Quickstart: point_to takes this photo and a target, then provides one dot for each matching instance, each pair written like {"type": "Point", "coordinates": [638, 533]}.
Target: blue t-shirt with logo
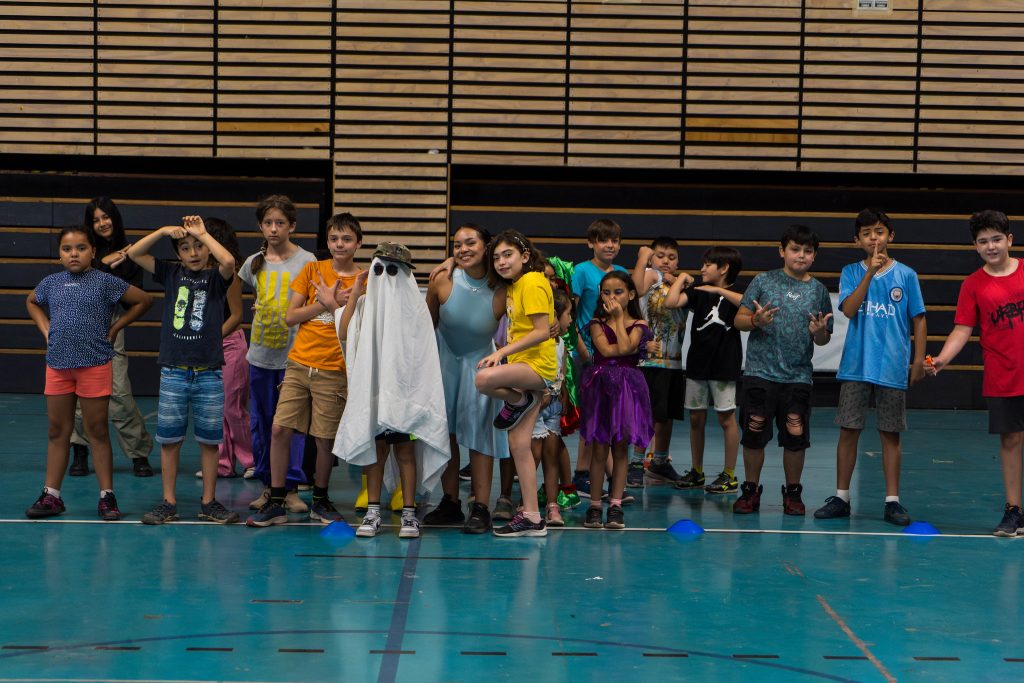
{"type": "Point", "coordinates": [190, 334]}
{"type": "Point", "coordinates": [877, 346]}
{"type": "Point", "coordinates": [586, 284]}
{"type": "Point", "coordinates": [80, 305]}
{"type": "Point", "coordinates": [781, 351]}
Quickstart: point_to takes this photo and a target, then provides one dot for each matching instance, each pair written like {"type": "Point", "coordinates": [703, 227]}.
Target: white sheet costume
{"type": "Point", "coordinates": [394, 377]}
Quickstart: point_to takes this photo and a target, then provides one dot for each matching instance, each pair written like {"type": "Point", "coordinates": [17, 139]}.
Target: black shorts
{"type": "Point", "coordinates": [1005, 414]}
{"type": "Point", "coordinates": [391, 438]}
{"type": "Point", "coordinates": [668, 393]}
{"type": "Point", "coordinates": [768, 399]}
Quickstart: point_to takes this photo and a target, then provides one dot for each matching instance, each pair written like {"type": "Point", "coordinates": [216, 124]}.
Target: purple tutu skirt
{"type": "Point", "coordinates": [616, 405]}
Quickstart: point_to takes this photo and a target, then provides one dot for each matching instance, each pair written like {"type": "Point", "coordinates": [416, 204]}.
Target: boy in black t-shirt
{"type": "Point", "coordinates": [712, 363]}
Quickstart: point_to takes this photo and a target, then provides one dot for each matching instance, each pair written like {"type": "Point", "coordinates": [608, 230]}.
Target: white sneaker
{"type": "Point", "coordinates": [410, 527]}
{"type": "Point", "coordinates": [370, 525]}
{"type": "Point", "coordinates": [292, 503]}
{"type": "Point", "coordinates": [249, 473]}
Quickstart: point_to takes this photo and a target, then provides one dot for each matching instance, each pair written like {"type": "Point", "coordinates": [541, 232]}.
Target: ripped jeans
{"type": "Point", "coordinates": [787, 405]}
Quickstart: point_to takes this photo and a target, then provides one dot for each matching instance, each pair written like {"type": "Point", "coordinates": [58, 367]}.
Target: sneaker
{"type": "Point", "coordinates": [503, 509]}
{"type": "Point", "coordinates": [833, 508]}
{"type": "Point", "coordinates": [164, 512]}
{"type": "Point", "coordinates": [370, 525]}
{"type": "Point", "coordinates": [593, 518]}
{"type": "Point", "coordinates": [510, 415]}
{"type": "Point", "coordinates": [723, 483]}
{"type": "Point", "coordinates": [269, 514]}
{"type": "Point", "coordinates": [635, 475]}
{"type": "Point", "coordinates": [627, 497]}
{"type": "Point", "coordinates": [79, 460]}
{"type": "Point", "coordinates": [896, 514]}
{"type": "Point", "coordinates": [466, 473]}
{"type": "Point", "coordinates": [46, 505]}
{"type": "Point", "coordinates": [662, 472]}
{"type": "Point", "coordinates": [249, 473]}
{"type": "Point", "coordinates": [322, 510]}
{"type": "Point", "coordinates": [791, 502]}
{"type": "Point", "coordinates": [521, 526]}
{"type": "Point", "coordinates": [567, 501]}
{"type": "Point", "coordinates": [410, 527]}
{"type": "Point", "coordinates": [616, 519]}
{"type": "Point", "coordinates": [141, 467]}
{"type": "Point", "coordinates": [553, 516]}
{"type": "Point", "coordinates": [107, 508]}
{"type": "Point", "coordinates": [448, 511]}
{"type": "Point", "coordinates": [581, 480]}
{"type": "Point", "coordinates": [262, 500]}
{"type": "Point", "coordinates": [691, 480]}
{"type": "Point", "coordinates": [1012, 524]}
{"type": "Point", "coordinates": [293, 503]}
{"type": "Point", "coordinates": [749, 500]}
{"type": "Point", "coordinates": [479, 520]}
{"type": "Point", "coordinates": [215, 512]}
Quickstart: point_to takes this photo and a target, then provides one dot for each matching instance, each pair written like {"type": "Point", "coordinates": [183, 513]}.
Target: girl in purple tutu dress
{"type": "Point", "coordinates": [616, 402]}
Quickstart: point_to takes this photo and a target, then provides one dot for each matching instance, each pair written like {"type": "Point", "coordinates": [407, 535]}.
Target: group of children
{"type": "Point", "coordinates": [527, 350]}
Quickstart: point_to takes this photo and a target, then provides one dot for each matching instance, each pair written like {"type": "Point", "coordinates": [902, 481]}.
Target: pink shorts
{"type": "Point", "coordinates": [94, 382]}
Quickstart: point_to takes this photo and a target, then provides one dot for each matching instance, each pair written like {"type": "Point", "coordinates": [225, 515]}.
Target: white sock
{"type": "Point", "coordinates": [374, 509]}
{"type": "Point", "coordinates": [844, 494]}
{"type": "Point", "coordinates": [104, 492]}
{"type": "Point", "coordinates": [522, 400]}
{"type": "Point", "coordinates": [892, 499]}
{"type": "Point", "coordinates": [408, 512]}
{"type": "Point", "coordinates": [52, 492]}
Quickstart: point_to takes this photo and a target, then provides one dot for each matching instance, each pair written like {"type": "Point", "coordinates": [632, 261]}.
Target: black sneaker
{"type": "Point", "coordinates": [215, 512]}
{"type": "Point", "coordinates": [521, 526]}
{"type": "Point", "coordinates": [107, 508]}
{"type": "Point", "coordinates": [79, 460]}
{"type": "Point", "coordinates": [616, 519]}
{"type": "Point", "coordinates": [896, 514]}
{"type": "Point", "coordinates": [635, 475]}
{"type": "Point", "coordinates": [593, 520]}
{"type": "Point", "coordinates": [161, 514]}
{"type": "Point", "coordinates": [723, 484]}
{"type": "Point", "coordinates": [749, 500]}
{"type": "Point", "coordinates": [141, 467]}
{"type": "Point", "coordinates": [835, 507]}
{"type": "Point", "coordinates": [466, 473]}
{"type": "Point", "coordinates": [691, 480]}
{"type": "Point", "coordinates": [663, 472]}
{"type": "Point", "coordinates": [1012, 524]}
{"type": "Point", "coordinates": [448, 511]}
{"type": "Point", "coordinates": [46, 505]}
{"type": "Point", "coordinates": [510, 415]}
{"type": "Point", "coordinates": [479, 521]}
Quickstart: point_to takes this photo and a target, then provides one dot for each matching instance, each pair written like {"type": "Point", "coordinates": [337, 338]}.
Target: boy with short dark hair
{"type": "Point", "coordinates": [991, 298]}
{"type": "Point", "coordinates": [882, 299]}
{"type": "Point", "coordinates": [712, 364]}
{"type": "Point", "coordinates": [662, 364]}
{"type": "Point", "coordinates": [787, 312]}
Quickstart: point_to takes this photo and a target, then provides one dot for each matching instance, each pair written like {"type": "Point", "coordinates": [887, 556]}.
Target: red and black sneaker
{"type": "Point", "coordinates": [47, 505]}
{"type": "Point", "coordinates": [749, 500]}
{"type": "Point", "coordinates": [791, 502]}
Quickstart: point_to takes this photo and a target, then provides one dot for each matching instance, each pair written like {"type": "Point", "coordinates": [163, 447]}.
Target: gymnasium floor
{"type": "Point", "coordinates": [761, 596]}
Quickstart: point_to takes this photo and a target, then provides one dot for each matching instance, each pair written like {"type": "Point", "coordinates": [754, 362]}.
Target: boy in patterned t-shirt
{"type": "Point", "coordinates": [787, 312]}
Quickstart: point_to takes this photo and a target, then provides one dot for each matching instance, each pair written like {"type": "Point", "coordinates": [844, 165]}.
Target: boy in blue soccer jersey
{"type": "Point", "coordinates": [882, 299]}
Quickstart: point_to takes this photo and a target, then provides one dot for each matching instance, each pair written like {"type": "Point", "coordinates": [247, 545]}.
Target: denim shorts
{"type": "Point", "coordinates": [181, 388]}
{"type": "Point", "coordinates": [549, 421]}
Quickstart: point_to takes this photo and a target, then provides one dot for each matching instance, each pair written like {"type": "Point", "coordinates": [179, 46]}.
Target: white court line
{"type": "Point", "coordinates": [796, 532]}
{"type": "Point", "coordinates": [119, 680]}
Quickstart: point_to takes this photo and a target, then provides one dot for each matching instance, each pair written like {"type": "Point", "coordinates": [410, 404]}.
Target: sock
{"type": "Point", "coordinates": [844, 494]}
{"type": "Point", "coordinates": [614, 501]}
{"type": "Point", "coordinates": [731, 473]}
{"type": "Point", "coordinates": [595, 503]}
{"type": "Point", "coordinates": [53, 492]}
{"type": "Point", "coordinates": [408, 512]}
{"type": "Point", "coordinates": [698, 470]}
{"type": "Point", "coordinates": [104, 492]}
{"type": "Point", "coordinates": [581, 473]}
{"type": "Point", "coordinates": [277, 494]}
{"type": "Point", "coordinates": [660, 457]}
{"type": "Point", "coordinates": [373, 508]}
{"type": "Point", "coordinates": [532, 516]}
{"type": "Point", "coordinates": [892, 499]}
{"type": "Point", "coordinates": [638, 455]}
{"type": "Point", "coordinates": [521, 402]}
{"type": "Point", "coordinates": [319, 492]}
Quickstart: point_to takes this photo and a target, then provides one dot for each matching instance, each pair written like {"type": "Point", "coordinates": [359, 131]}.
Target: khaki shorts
{"type": "Point", "coordinates": [311, 400]}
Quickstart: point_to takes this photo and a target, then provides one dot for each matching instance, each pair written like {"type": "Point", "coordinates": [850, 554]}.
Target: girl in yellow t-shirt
{"type": "Point", "coordinates": [529, 364]}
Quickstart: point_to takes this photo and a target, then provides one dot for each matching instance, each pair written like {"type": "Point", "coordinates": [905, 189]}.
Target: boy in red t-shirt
{"type": "Point", "coordinates": [992, 297]}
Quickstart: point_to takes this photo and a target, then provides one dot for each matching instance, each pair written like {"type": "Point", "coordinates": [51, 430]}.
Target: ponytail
{"type": "Point", "coordinates": [260, 259]}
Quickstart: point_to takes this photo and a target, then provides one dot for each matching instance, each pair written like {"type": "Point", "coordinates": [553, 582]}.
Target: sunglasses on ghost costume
{"type": "Point", "coordinates": [380, 268]}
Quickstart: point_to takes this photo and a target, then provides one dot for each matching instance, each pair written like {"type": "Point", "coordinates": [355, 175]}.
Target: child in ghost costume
{"type": "Point", "coordinates": [396, 396]}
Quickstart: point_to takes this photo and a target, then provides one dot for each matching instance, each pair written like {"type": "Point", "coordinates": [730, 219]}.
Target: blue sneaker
{"type": "Point", "coordinates": [271, 513]}
{"type": "Point", "coordinates": [322, 510]}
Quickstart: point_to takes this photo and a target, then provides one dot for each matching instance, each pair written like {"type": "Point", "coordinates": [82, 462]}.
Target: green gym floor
{"type": "Point", "coordinates": [762, 597]}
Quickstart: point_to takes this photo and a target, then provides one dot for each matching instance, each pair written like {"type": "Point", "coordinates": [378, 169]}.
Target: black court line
{"type": "Point", "coordinates": [424, 557]}
{"type": "Point", "coordinates": [1013, 659]}
{"type": "Point", "coordinates": [26, 647]}
{"type": "Point", "coordinates": [755, 656]}
{"type": "Point", "coordinates": [209, 649]}
{"type": "Point", "coordinates": [392, 652]}
{"type": "Point", "coordinates": [666, 654]}
{"type": "Point", "coordinates": [388, 672]}
{"type": "Point", "coordinates": [936, 659]}
{"type": "Point", "coordinates": [301, 650]}
{"type": "Point", "coordinates": [573, 654]}
{"type": "Point", "coordinates": [276, 602]}
{"type": "Point", "coordinates": [119, 648]}
{"type": "Point", "coordinates": [845, 658]}
{"type": "Point", "coordinates": [470, 653]}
